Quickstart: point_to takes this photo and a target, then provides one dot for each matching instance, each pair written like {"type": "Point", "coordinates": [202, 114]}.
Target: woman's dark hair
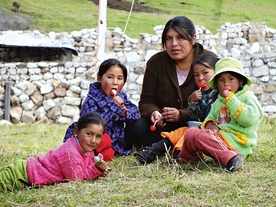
{"type": "Point", "coordinates": [182, 25]}
{"type": "Point", "coordinates": [90, 118]}
{"type": "Point", "coordinates": [205, 58]}
{"type": "Point", "coordinates": [109, 63]}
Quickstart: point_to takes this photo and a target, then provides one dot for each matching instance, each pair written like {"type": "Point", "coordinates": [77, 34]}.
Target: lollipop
{"type": "Point", "coordinates": [113, 92]}
{"type": "Point", "coordinates": [153, 127]}
{"type": "Point", "coordinates": [201, 85]}
{"type": "Point", "coordinates": [98, 158]}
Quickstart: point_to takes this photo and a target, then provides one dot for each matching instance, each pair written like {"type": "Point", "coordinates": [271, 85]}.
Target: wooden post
{"type": "Point", "coordinates": [7, 100]}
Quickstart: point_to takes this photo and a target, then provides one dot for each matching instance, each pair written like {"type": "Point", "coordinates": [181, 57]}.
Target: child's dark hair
{"type": "Point", "coordinates": [182, 25]}
{"type": "Point", "coordinates": [90, 118]}
{"type": "Point", "coordinates": [211, 59]}
{"type": "Point", "coordinates": [109, 63]}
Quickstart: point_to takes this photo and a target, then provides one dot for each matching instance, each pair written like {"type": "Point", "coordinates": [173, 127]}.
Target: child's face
{"type": "Point", "coordinates": [112, 79]}
{"type": "Point", "coordinates": [90, 137]}
{"type": "Point", "coordinates": [203, 74]}
{"type": "Point", "coordinates": [227, 82]}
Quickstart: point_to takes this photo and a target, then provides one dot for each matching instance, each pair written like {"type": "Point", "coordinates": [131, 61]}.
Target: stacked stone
{"type": "Point", "coordinates": [47, 92]}
{"type": "Point", "coordinates": [54, 91]}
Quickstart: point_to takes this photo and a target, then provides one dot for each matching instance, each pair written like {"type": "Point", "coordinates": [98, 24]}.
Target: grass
{"type": "Point", "coordinates": [203, 184]}
{"type": "Point", "coordinates": [70, 15]}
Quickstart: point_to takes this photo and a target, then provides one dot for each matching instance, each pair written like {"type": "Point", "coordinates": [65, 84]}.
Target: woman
{"type": "Point", "coordinates": [199, 105]}
{"type": "Point", "coordinates": [168, 82]}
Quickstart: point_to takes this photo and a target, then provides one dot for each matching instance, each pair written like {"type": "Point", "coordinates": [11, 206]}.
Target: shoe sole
{"type": "Point", "coordinates": [141, 160]}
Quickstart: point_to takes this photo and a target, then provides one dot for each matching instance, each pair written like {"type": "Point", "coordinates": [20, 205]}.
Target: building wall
{"type": "Point", "coordinates": [52, 91]}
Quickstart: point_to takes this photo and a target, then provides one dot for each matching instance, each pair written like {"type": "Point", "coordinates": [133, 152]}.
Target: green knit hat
{"type": "Point", "coordinates": [227, 64]}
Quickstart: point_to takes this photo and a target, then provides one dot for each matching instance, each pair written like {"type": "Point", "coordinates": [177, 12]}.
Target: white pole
{"type": "Point", "coordinates": [101, 31]}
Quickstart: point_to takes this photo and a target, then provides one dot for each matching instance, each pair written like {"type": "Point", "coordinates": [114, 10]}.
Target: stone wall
{"type": "Point", "coordinates": [53, 91]}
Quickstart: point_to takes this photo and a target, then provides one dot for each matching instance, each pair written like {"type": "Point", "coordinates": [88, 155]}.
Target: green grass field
{"type": "Point", "coordinates": [70, 15]}
{"type": "Point", "coordinates": [204, 184]}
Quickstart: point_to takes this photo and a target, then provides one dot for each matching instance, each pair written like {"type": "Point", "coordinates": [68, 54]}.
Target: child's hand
{"type": "Point", "coordinates": [196, 96]}
{"type": "Point", "coordinates": [212, 126]}
{"type": "Point", "coordinates": [123, 107]}
{"type": "Point", "coordinates": [101, 165]}
{"type": "Point", "coordinates": [118, 100]}
{"type": "Point", "coordinates": [106, 171]}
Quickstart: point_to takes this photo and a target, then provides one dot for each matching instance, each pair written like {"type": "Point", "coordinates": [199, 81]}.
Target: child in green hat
{"type": "Point", "coordinates": [229, 132]}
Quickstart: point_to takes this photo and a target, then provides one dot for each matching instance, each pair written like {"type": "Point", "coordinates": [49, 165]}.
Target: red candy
{"type": "Point", "coordinates": [201, 84]}
{"type": "Point", "coordinates": [152, 128]}
{"type": "Point", "coordinates": [113, 92]}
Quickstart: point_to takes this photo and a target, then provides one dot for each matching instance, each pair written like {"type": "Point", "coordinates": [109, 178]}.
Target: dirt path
{"type": "Point", "coordinates": [14, 22]}
{"type": "Point", "coordinates": [123, 5]}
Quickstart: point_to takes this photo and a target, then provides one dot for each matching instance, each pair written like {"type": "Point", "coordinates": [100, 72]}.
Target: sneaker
{"type": "Point", "coordinates": [145, 157]}
{"type": "Point", "coordinates": [234, 163]}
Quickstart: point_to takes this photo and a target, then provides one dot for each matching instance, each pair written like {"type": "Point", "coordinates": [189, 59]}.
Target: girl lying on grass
{"type": "Point", "coordinates": [73, 160]}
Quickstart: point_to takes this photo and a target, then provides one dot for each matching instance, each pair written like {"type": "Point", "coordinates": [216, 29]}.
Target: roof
{"type": "Point", "coordinates": [35, 39]}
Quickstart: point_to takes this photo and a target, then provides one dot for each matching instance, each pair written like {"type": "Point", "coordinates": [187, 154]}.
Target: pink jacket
{"type": "Point", "coordinates": [63, 164]}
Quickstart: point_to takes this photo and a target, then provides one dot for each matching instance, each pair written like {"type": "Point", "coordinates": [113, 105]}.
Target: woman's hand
{"type": "Point", "coordinates": [170, 114]}
{"type": "Point", "coordinates": [156, 116]}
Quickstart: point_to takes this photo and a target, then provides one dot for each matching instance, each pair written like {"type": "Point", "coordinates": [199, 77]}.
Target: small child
{"type": "Point", "coordinates": [73, 160]}
{"type": "Point", "coordinates": [229, 132]}
{"type": "Point", "coordinates": [199, 105]}
{"type": "Point", "coordinates": [107, 98]}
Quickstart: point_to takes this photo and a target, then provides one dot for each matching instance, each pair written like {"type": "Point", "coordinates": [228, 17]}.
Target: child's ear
{"type": "Point", "coordinates": [242, 81]}
{"type": "Point", "coordinates": [99, 78]}
{"type": "Point", "coordinates": [75, 132]}
{"type": "Point", "coordinates": [194, 39]}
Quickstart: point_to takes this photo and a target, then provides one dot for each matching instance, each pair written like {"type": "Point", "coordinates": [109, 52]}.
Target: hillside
{"type": "Point", "coordinates": [57, 16]}
{"type": "Point", "coordinates": [19, 21]}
